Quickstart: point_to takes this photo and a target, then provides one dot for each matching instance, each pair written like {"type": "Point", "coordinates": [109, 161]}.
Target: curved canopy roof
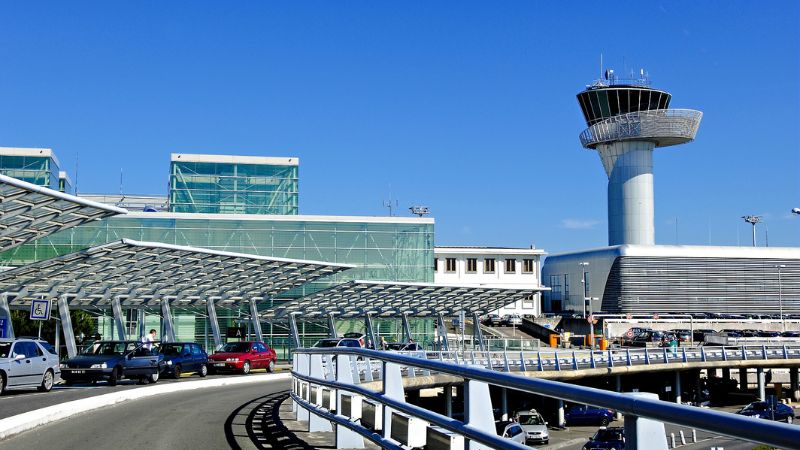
{"type": "Point", "coordinates": [142, 273]}
{"type": "Point", "coordinates": [394, 299]}
{"type": "Point", "coordinates": [29, 212]}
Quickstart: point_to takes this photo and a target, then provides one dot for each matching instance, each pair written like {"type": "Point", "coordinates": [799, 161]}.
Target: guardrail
{"type": "Point", "coordinates": [668, 126]}
{"type": "Point", "coordinates": [327, 390]}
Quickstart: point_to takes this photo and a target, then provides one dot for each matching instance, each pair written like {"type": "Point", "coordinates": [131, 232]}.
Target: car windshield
{"type": "Point", "coordinates": [108, 348]}
{"type": "Point", "coordinates": [5, 348]}
{"type": "Point", "coordinates": [171, 349]}
{"type": "Point", "coordinates": [395, 345]}
{"type": "Point", "coordinates": [756, 407]}
{"type": "Point", "coordinates": [608, 435]}
{"type": "Point", "coordinates": [326, 343]}
{"type": "Point", "coordinates": [236, 347]}
{"type": "Point", "coordinates": [530, 419]}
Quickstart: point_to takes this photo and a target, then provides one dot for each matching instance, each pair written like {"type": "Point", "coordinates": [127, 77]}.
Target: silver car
{"type": "Point", "coordinates": [28, 364]}
{"type": "Point", "coordinates": [512, 431]}
{"type": "Point", "coordinates": [535, 427]}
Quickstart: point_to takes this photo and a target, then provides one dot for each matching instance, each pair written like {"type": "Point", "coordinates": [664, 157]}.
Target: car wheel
{"type": "Point", "coordinates": [2, 383]}
{"type": "Point", "coordinates": [114, 377]}
{"type": "Point", "coordinates": [789, 419]}
{"type": "Point", "coordinates": [177, 371]}
{"type": "Point", "coordinates": [47, 381]}
{"type": "Point", "coordinates": [203, 370]}
{"type": "Point", "coordinates": [604, 421]}
{"type": "Point", "coordinates": [271, 366]}
{"type": "Point", "coordinates": [246, 367]}
{"type": "Point", "coordinates": [153, 379]}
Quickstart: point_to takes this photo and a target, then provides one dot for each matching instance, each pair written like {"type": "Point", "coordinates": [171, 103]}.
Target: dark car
{"type": "Point", "coordinates": [403, 346]}
{"type": "Point", "coordinates": [750, 333]}
{"type": "Point", "coordinates": [732, 333]}
{"type": "Point", "coordinates": [771, 410]}
{"type": "Point", "coordinates": [642, 339]}
{"type": "Point", "coordinates": [361, 337]}
{"type": "Point", "coordinates": [683, 335]}
{"type": "Point", "coordinates": [790, 334]}
{"type": "Point", "coordinates": [184, 357]}
{"type": "Point", "coordinates": [242, 357]}
{"type": "Point", "coordinates": [612, 438]}
{"type": "Point", "coordinates": [766, 333]}
{"type": "Point", "coordinates": [493, 320]}
{"type": "Point", "coordinates": [588, 415]}
{"type": "Point", "coordinates": [338, 342]}
{"type": "Point", "coordinates": [113, 361]}
{"type": "Point", "coordinates": [700, 335]}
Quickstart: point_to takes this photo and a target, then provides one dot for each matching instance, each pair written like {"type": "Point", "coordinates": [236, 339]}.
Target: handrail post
{"type": "Point", "coordinates": [522, 362]}
{"type": "Point", "coordinates": [744, 353]}
{"type": "Point", "coordinates": [764, 352]}
{"type": "Point", "coordinates": [703, 354]}
{"type": "Point", "coordinates": [610, 358]}
{"type": "Point", "coordinates": [315, 422]}
{"type": "Point", "coordinates": [642, 433]}
{"type": "Point", "coordinates": [628, 355]}
{"type": "Point", "coordinates": [591, 360]}
{"type": "Point", "coordinates": [646, 357]}
{"type": "Point", "coordinates": [574, 361]}
{"type": "Point", "coordinates": [558, 363]}
{"type": "Point", "coordinates": [683, 351]}
{"type": "Point", "coordinates": [540, 365]}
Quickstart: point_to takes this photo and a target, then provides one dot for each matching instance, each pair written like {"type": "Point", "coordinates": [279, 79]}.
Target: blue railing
{"type": "Point", "coordinates": [338, 372]}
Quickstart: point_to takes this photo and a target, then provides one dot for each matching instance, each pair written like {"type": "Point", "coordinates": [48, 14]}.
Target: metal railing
{"type": "Point", "coordinates": [326, 385]}
{"type": "Point", "coordinates": [668, 126]}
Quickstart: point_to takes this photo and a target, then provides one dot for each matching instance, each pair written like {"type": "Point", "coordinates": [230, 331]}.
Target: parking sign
{"type": "Point", "coordinates": [40, 310]}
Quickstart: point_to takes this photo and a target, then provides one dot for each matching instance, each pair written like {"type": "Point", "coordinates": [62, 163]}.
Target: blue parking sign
{"type": "Point", "coordinates": [40, 310]}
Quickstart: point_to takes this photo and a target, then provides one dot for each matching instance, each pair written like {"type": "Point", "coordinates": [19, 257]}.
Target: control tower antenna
{"type": "Point", "coordinates": [627, 120]}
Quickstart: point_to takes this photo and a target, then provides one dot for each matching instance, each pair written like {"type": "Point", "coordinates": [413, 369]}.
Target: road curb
{"type": "Point", "coordinates": [31, 419]}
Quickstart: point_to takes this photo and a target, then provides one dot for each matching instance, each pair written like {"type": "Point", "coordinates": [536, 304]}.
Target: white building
{"type": "Point", "coordinates": [492, 265]}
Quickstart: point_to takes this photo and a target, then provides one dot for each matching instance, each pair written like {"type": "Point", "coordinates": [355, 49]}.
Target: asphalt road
{"type": "Point", "coordinates": [225, 417]}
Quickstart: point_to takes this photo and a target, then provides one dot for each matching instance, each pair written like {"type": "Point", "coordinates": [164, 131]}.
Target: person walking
{"type": "Point", "coordinates": [383, 343]}
{"type": "Point", "coordinates": [148, 340]}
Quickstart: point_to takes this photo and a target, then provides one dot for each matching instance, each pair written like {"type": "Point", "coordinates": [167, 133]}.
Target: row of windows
{"type": "Point", "coordinates": [528, 265]}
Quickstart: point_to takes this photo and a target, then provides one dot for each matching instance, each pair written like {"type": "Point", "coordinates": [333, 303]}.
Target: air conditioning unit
{"type": "Point", "coordinates": [372, 415]}
{"type": "Point", "coordinates": [407, 430]}
{"type": "Point", "coordinates": [351, 406]}
{"type": "Point", "coordinates": [440, 439]}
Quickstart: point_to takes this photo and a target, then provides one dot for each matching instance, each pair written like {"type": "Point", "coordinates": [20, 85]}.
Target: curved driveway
{"type": "Point", "coordinates": [204, 418]}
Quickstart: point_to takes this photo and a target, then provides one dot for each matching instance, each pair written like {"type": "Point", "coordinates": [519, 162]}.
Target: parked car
{"type": "Point", "coordinates": [113, 361]}
{"type": "Point", "coordinates": [628, 336]}
{"type": "Point", "coordinates": [772, 410]}
{"type": "Point", "coordinates": [534, 426]}
{"type": "Point", "coordinates": [514, 320]}
{"type": "Point", "coordinates": [493, 320]}
{"type": "Point", "coordinates": [338, 342]}
{"type": "Point", "coordinates": [361, 337]}
{"type": "Point", "coordinates": [180, 357]}
{"type": "Point", "coordinates": [732, 333]}
{"type": "Point", "coordinates": [750, 333]}
{"type": "Point", "coordinates": [612, 438]}
{"type": "Point", "coordinates": [511, 430]}
{"type": "Point", "coordinates": [650, 336]}
{"type": "Point", "coordinates": [243, 357]}
{"type": "Point", "coordinates": [588, 415]}
{"type": "Point", "coordinates": [403, 346]}
{"type": "Point", "coordinates": [28, 364]}
{"type": "Point", "coordinates": [769, 334]}
{"type": "Point", "coordinates": [790, 334]}
{"type": "Point", "coordinates": [700, 334]}
{"type": "Point", "coordinates": [682, 334]}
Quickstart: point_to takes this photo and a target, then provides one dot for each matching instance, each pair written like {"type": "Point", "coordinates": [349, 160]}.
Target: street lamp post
{"type": "Point", "coordinates": [584, 265]}
{"type": "Point", "coordinates": [780, 295]}
{"type": "Point", "coordinates": [591, 322]}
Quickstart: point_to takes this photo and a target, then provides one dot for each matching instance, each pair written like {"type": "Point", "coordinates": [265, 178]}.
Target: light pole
{"type": "Point", "coordinates": [591, 321]}
{"type": "Point", "coordinates": [584, 265]}
{"type": "Point", "coordinates": [780, 295]}
{"type": "Point", "coordinates": [753, 220]}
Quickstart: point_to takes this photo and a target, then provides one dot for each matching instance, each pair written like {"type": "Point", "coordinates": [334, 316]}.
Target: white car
{"type": "Point", "coordinates": [512, 431]}
{"type": "Point", "coordinates": [28, 364]}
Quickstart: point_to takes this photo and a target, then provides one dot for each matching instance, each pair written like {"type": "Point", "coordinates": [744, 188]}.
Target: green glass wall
{"type": "Point", "coordinates": [39, 170]}
{"type": "Point", "coordinates": [225, 188]}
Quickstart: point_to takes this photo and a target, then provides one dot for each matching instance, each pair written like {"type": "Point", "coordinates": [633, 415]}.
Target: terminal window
{"type": "Point", "coordinates": [511, 266]}
{"type": "Point", "coordinates": [435, 264]}
{"type": "Point", "coordinates": [450, 265]}
{"type": "Point", "coordinates": [488, 265]}
{"type": "Point", "coordinates": [527, 266]}
{"type": "Point", "coordinates": [528, 302]}
{"type": "Point", "coordinates": [472, 265]}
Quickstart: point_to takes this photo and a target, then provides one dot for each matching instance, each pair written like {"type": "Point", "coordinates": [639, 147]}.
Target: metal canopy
{"type": "Point", "coordinates": [29, 212]}
{"type": "Point", "coordinates": [395, 299]}
{"type": "Point", "coordinates": [144, 273]}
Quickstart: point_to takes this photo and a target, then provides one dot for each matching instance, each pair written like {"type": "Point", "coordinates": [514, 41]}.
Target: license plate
{"type": "Point", "coordinates": [79, 371]}
{"type": "Point", "coordinates": [219, 365]}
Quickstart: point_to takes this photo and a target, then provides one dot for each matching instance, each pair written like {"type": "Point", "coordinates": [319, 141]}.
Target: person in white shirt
{"type": "Point", "coordinates": [148, 339]}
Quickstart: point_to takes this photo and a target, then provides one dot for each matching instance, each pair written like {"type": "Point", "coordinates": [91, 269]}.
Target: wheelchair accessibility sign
{"type": "Point", "coordinates": [40, 310]}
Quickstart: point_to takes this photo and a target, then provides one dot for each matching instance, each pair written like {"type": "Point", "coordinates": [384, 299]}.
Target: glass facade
{"type": "Point", "coordinates": [233, 188]}
{"type": "Point", "coordinates": [38, 170]}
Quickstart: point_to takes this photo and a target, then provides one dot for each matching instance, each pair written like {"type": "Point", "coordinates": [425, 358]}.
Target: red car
{"type": "Point", "coordinates": [243, 357]}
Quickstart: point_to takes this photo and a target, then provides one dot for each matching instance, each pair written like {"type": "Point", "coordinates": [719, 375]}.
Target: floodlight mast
{"type": "Point", "coordinates": [753, 220]}
{"type": "Point", "coordinates": [627, 119]}
{"type": "Point", "coordinates": [420, 210]}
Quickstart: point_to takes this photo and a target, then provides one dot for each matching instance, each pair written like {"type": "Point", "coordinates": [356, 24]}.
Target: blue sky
{"type": "Point", "coordinates": [466, 107]}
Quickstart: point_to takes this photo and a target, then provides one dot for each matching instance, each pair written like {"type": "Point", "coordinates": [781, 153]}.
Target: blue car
{"type": "Point", "coordinates": [769, 410]}
{"type": "Point", "coordinates": [113, 361]}
{"type": "Point", "coordinates": [607, 439]}
{"type": "Point", "coordinates": [183, 357]}
{"type": "Point", "coordinates": [589, 415]}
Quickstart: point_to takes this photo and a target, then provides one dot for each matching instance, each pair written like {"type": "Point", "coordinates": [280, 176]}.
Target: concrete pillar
{"type": "Point", "coordinates": [504, 403]}
{"type": "Point", "coordinates": [762, 395]}
{"type": "Point", "coordinates": [677, 387]}
{"type": "Point", "coordinates": [743, 382]}
{"type": "Point", "coordinates": [618, 383]}
{"type": "Point", "coordinates": [561, 421]}
{"type": "Point", "coordinates": [448, 400]}
{"type": "Point", "coordinates": [712, 372]}
{"type": "Point", "coordinates": [726, 373]}
{"type": "Point", "coordinates": [793, 384]}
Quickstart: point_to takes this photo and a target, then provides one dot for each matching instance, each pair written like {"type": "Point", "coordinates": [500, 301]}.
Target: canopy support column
{"type": "Point", "coordinates": [255, 320]}
{"type": "Point", "coordinates": [332, 326]}
{"type": "Point", "coordinates": [66, 326]}
{"type": "Point", "coordinates": [166, 318]}
{"type": "Point", "coordinates": [370, 331]}
{"type": "Point", "coordinates": [119, 321]}
{"type": "Point", "coordinates": [445, 345]}
{"type": "Point", "coordinates": [477, 333]}
{"type": "Point", "coordinates": [6, 328]}
{"type": "Point", "coordinates": [406, 328]}
{"type": "Point", "coordinates": [293, 334]}
{"type": "Point", "coordinates": [141, 325]}
{"type": "Point", "coordinates": [212, 319]}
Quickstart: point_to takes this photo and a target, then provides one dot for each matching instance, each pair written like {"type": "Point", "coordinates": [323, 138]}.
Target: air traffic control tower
{"type": "Point", "coordinates": [627, 120]}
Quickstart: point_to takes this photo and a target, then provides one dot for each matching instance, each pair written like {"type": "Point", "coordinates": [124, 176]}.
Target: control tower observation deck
{"type": "Point", "coordinates": [627, 120]}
